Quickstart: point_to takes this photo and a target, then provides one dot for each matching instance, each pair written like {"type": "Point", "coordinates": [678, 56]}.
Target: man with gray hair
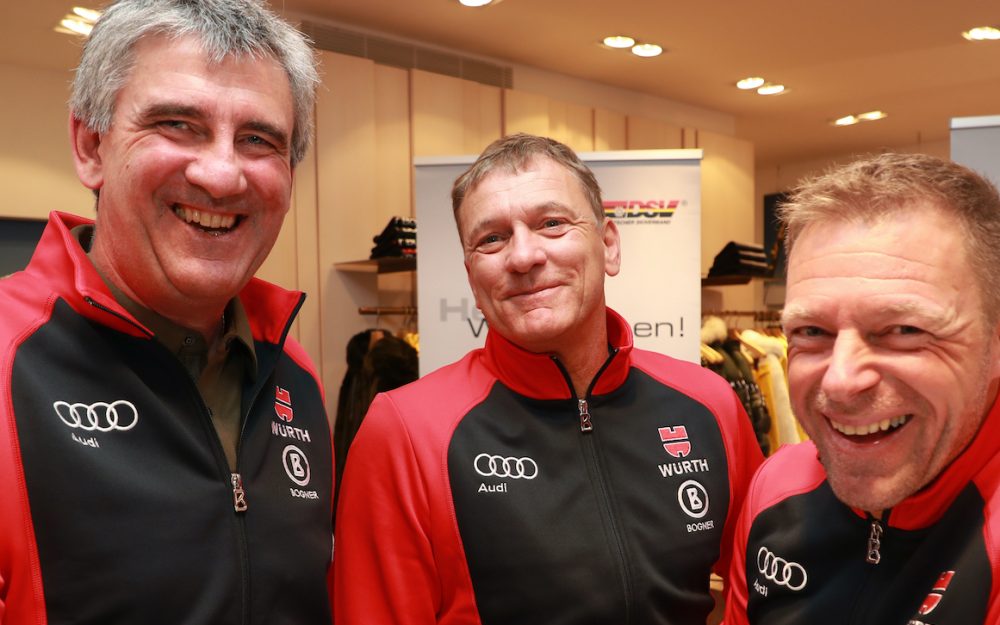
{"type": "Point", "coordinates": [891, 513]}
{"type": "Point", "coordinates": [165, 455]}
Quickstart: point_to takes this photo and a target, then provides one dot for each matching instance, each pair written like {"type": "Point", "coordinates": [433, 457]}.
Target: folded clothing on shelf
{"type": "Point", "coordinates": [397, 239]}
{"type": "Point", "coordinates": [742, 259]}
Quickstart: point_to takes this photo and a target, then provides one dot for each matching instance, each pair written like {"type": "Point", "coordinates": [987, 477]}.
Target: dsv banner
{"type": "Point", "coordinates": [654, 196]}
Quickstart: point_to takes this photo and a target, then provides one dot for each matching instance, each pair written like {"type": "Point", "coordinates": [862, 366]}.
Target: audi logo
{"type": "Point", "coordinates": [119, 415]}
{"type": "Point", "coordinates": [780, 571]}
{"type": "Point", "coordinates": [498, 466]}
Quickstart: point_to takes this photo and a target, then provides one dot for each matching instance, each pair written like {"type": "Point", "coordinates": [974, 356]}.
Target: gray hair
{"type": "Point", "coordinates": [873, 187]}
{"type": "Point", "coordinates": [241, 28]}
{"type": "Point", "coordinates": [510, 154]}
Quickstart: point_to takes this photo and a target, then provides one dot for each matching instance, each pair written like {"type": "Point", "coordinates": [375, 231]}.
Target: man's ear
{"type": "Point", "coordinates": [612, 248]}
{"type": "Point", "coordinates": [86, 156]}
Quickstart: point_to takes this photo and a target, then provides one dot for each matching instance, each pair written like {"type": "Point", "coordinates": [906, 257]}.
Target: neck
{"type": "Point", "coordinates": [583, 361]}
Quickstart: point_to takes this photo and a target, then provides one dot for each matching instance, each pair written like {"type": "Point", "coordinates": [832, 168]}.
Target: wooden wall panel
{"type": "Point", "coordinates": [727, 213]}
{"type": "Point", "coordinates": [572, 124]}
{"type": "Point", "coordinates": [525, 112]}
{"type": "Point", "coordinates": [482, 107]}
{"type": "Point", "coordinates": [650, 134]}
{"type": "Point", "coordinates": [346, 156]}
{"type": "Point", "coordinates": [609, 130]}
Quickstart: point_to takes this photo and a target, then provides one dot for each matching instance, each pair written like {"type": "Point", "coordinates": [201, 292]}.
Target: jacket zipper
{"type": "Point", "coordinates": [874, 542]}
{"type": "Point", "coordinates": [604, 492]}
{"type": "Point", "coordinates": [235, 480]}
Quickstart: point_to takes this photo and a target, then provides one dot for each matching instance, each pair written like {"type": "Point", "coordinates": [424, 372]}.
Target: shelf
{"type": "Point", "coordinates": [725, 280]}
{"type": "Point", "coordinates": [379, 265]}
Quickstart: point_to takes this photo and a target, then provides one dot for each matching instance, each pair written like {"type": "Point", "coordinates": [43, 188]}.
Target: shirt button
{"type": "Point", "coordinates": [189, 340]}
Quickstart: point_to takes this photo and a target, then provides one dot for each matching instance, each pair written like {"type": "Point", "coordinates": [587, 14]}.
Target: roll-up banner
{"type": "Point", "coordinates": [654, 196]}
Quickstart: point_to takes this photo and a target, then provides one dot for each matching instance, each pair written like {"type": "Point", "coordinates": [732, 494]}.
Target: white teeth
{"type": "Point", "coordinates": [863, 430]}
{"type": "Point", "coordinates": [205, 219]}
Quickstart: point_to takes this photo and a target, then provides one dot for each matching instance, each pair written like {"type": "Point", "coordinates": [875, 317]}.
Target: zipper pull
{"type": "Point", "coordinates": [585, 424]}
{"type": "Point", "coordinates": [239, 495]}
{"type": "Point", "coordinates": [874, 543]}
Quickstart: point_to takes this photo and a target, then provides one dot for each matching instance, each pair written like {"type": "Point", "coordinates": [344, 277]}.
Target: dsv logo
{"type": "Point", "coordinates": [119, 415]}
{"type": "Point", "coordinates": [498, 466]}
{"type": "Point", "coordinates": [780, 571]}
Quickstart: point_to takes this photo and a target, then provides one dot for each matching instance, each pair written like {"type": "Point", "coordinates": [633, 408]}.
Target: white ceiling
{"type": "Point", "coordinates": [905, 57]}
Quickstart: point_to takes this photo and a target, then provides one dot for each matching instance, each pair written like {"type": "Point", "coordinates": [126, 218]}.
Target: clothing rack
{"type": "Point", "coordinates": [388, 310]}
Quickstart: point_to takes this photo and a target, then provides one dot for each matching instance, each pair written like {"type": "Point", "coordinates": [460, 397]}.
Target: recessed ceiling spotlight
{"type": "Point", "coordinates": [982, 33]}
{"type": "Point", "coordinates": [477, 3]}
{"type": "Point", "coordinates": [846, 120]}
{"type": "Point", "coordinates": [750, 82]}
{"type": "Point", "coordinates": [88, 14]}
{"type": "Point", "coordinates": [647, 50]}
{"type": "Point", "coordinates": [770, 89]}
{"type": "Point", "coordinates": [871, 116]}
{"type": "Point", "coordinates": [619, 41]}
{"type": "Point", "coordinates": [79, 22]}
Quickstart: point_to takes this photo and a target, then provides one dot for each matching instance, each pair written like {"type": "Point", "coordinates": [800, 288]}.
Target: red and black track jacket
{"type": "Point", "coordinates": [802, 556]}
{"type": "Point", "coordinates": [487, 492]}
{"type": "Point", "coordinates": [117, 505]}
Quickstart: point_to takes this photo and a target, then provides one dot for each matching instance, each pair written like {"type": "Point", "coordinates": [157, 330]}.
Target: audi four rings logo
{"type": "Point", "coordinates": [119, 415]}
{"type": "Point", "coordinates": [780, 571]}
{"type": "Point", "coordinates": [499, 466]}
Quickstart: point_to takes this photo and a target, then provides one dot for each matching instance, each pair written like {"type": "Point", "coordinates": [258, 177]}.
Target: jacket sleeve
{"type": "Point", "coordinates": [736, 580]}
{"type": "Point", "coordinates": [744, 456]}
{"type": "Point", "coordinates": [384, 569]}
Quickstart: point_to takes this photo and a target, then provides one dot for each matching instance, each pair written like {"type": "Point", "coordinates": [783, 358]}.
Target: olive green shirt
{"type": "Point", "coordinates": [220, 371]}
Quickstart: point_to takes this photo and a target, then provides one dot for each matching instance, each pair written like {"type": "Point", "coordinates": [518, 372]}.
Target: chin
{"type": "Point", "coordinates": [867, 494]}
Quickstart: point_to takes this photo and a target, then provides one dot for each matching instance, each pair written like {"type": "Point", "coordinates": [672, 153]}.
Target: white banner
{"type": "Point", "coordinates": [655, 198]}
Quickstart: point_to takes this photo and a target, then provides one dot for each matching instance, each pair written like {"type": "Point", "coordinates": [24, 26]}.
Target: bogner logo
{"type": "Point", "coordinates": [676, 443]}
{"type": "Point", "coordinates": [507, 467]}
{"type": "Point", "coordinates": [297, 468]}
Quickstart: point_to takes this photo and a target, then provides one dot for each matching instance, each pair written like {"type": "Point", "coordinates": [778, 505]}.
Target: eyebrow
{"type": "Point", "coordinates": [800, 314]}
{"type": "Point", "coordinates": [172, 109]}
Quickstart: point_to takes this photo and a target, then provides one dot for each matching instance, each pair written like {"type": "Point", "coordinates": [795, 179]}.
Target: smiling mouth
{"type": "Point", "coordinates": [215, 224]}
{"type": "Point", "coordinates": [873, 431]}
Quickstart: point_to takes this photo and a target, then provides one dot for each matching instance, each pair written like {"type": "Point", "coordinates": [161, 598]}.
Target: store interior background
{"type": "Point", "coordinates": [431, 77]}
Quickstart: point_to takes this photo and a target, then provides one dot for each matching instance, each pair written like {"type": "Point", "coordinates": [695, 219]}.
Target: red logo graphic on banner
{"type": "Point", "coordinates": [675, 441]}
{"type": "Point", "coordinates": [934, 598]}
{"type": "Point", "coordinates": [282, 404]}
{"type": "Point", "coordinates": [626, 209]}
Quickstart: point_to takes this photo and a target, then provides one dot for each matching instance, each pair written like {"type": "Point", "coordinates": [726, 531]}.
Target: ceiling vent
{"type": "Point", "coordinates": [407, 56]}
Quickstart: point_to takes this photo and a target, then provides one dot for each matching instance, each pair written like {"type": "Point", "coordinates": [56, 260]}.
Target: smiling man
{"type": "Point", "coordinates": [558, 475]}
{"type": "Point", "coordinates": [144, 370]}
{"type": "Point", "coordinates": [892, 314]}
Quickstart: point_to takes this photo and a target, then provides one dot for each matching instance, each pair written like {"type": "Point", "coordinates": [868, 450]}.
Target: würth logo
{"type": "Point", "coordinates": [675, 441]}
{"type": "Point", "coordinates": [937, 593]}
{"type": "Point", "coordinates": [282, 404]}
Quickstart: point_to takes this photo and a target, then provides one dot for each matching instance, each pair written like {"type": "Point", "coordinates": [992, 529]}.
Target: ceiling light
{"type": "Point", "coordinates": [770, 89]}
{"type": "Point", "coordinates": [982, 33]}
{"type": "Point", "coordinates": [871, 116]}
{"type": "Point", "coordinates": [846, 120]}
{"type": "Point", "coordinates": [79, 22]}
{"type": "Point", "coordinates": [750, 82]}
{"type": "Point", "coordinates": [88, 14]}
{"type": "Point", "coordinates": [475, 3]}
{"type": "Point", "coordinates": [619, 41]}
{"type": "Point", "coordinates": [75, 26]}
{"type": "Point", "coordinates": [647, 49]}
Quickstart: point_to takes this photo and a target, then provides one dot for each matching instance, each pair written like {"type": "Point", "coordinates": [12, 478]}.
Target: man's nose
{"type": "Point", "coordinates": [217, 168]}
{"type": "Point", "coordinates": [524, 251]}
{"type": "Point", "coordinates": [851, 369]}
